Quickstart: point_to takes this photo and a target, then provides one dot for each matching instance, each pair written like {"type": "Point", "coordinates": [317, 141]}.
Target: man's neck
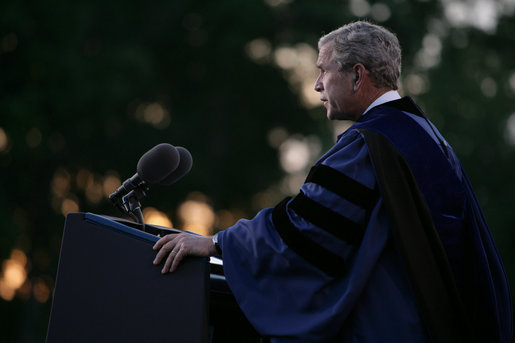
{"type": "Point", "coordinates": [383, 97]}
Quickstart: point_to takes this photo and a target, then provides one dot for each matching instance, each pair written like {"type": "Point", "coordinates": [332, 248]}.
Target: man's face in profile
{"type": "Point", "coordinates": [335, 86]}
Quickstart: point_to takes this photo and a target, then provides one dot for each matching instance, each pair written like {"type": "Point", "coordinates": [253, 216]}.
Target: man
{"type": "Point", "coordinates": [385, 241]}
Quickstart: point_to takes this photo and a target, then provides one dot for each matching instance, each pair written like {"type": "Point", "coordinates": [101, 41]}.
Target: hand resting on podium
{"type": "Point", "coordinates": [174, 247]}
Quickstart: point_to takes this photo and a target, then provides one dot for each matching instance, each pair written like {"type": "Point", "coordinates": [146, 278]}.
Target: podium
{"type": "Point", "coordinates": [108, 290]}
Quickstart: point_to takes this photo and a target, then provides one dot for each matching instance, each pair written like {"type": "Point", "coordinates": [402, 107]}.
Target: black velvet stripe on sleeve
{"type": "Point", "coordinates": [328, 220]}
{"type": "Point", "coordinates": [312, 252]}
{"type": "Point", "coordinates": [344, 186]}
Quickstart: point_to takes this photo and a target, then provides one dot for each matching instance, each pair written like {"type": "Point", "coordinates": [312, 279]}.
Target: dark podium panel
{"type": "Point", "coordinates": [108, 290]}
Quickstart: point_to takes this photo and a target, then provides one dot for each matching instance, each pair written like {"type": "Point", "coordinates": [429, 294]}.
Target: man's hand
{"type": "Point", "coordinates": [177, 246]}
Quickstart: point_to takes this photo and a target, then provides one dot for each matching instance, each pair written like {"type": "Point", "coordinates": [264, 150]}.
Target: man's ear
{"type": "Point", "coordinates": [359, 71]}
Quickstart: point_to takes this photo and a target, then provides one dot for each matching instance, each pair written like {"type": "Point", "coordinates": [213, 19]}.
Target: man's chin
{"type": "Point", "coordinates": [331, 115]}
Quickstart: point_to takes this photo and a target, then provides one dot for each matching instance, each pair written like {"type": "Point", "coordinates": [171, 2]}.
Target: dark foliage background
{"type": "Point", "coordinates": [77, 77]}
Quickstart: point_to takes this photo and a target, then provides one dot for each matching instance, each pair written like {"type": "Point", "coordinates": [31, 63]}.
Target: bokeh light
{"type": "Point", "coordinates": [153, 216]}
{"type": "Point", "coordinates": [259, 50]}
{"type": "Point", "coordinates": [297, 153]}
{"type": "Point", "coordinates": [512, 82]}
{"type": "Point", "coordinates": [482, 14]}
{"type": "Point", "coordinates": [40, 290]}
{"type": "Point", "coordinates": [277, 136]}
{"type": "Point", "coordinates": [61, 183]}
{"type": "Point", "coordinates": [416, 83]}
{"type": "Point", "coordinates": [380, 12]}
{"type": "Point", "coordinates": [4, 141]}
{"type": "Point", "coordinates": [488, 87]}
{"type": "Point", "coordinates": [196, 214]}
{"type": "Point", "coordinates": [111, 183]}
{"type": "Point", "coordinates": [298, 63]}
{"type": "Point", "coordinates": [33, 137]}
{"type": "Point", "coordinates": [94, 190]}
{"type": "Point", "coordinates": [154, 114]}
{"type": "Point", "coordinates": [69, 205]}
{"type": "Point", "coordinates": [294, 155]}
{"type": "Point", "coordinates": [510, 129]}
{"type": "Point", "coordinates": [14, 274]}
{"type": "Point", "coordinates": [359, 8]}
{"type": "Point", "coordinates": [227, 218]}
{"type": "Point", "coordinates": [277, 3]}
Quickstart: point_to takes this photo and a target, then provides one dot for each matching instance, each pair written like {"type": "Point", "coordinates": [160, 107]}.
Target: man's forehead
{"type": "Point", "coordinates": [324, 54]}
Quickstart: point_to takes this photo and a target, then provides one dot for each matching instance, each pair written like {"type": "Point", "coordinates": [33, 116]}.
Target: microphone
{"type": "Point", "coordinates": [185, 164]}
{"type": "Point", "coordinates": [153, 167]}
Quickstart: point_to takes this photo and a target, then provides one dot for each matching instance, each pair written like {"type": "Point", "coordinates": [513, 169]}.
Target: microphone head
{"type": "Point", "coordinates": [185, 164]}
{"type": "Point", "coordinates": [158, 163]}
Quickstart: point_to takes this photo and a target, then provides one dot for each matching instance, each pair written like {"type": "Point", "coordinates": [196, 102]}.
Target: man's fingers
{"type": "Point", "coordinates": [163, 252]}
{"type": "Point", "coordinates": [167, 263]}
{"type": "Point", "coordinates": [165, 245]}
{"type": "Point", "coordinates": [174, 247]}
{"type": "Point", "coordinates": [163, 240]}
{"type": "Point", "coordinates": [170, 259]}
{"type": "Point", "coordinates": [177, 259]}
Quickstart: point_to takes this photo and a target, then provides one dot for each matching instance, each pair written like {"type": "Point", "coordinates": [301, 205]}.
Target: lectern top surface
{"type": "Point", "coordinates": [111, 224]}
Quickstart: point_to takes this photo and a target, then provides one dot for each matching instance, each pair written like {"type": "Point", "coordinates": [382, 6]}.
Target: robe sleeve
{"type": "Point", "coordinates": [298, 270]}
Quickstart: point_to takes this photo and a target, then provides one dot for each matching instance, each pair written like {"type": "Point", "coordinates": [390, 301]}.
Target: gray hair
{"type": "Point", "coordinates": [371, 45]}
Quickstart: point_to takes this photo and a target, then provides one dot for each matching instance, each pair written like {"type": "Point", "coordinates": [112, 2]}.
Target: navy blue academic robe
{"type": "Point", "coordinates": [324, 266]}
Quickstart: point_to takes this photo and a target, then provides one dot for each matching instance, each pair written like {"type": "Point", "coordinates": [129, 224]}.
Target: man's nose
{"type": "Point", "coordinates": [318, 85]}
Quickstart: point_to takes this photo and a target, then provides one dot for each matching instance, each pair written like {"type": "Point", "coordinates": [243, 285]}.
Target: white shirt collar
{"type": "Point", "coordinates": [386, 97]}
